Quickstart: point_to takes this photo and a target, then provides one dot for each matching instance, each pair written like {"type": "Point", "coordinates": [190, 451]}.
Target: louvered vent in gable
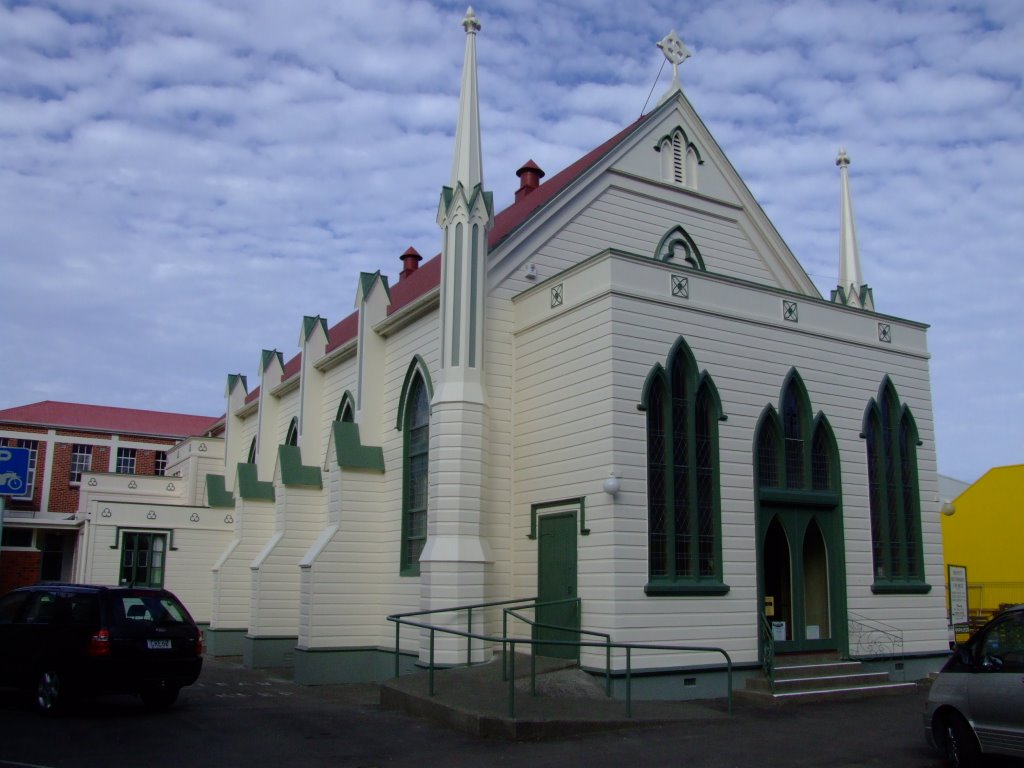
{"type": "Point", "coordinates": [679, 159]}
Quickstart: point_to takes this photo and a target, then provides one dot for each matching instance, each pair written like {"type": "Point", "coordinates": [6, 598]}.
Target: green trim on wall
{"type": "Point", "coordinates": [456, 331]}
{"type": "Point", "coordinates": [350, 451]}
{"type": "Point", "coordinates": [168, 532]}
{"type": "Point", "coordinates": [474, 260]}
{"type": "Point", "coordinates": [679, 374]}
{"type": "Point", "coordinates": [234, 379]}
{"type": "Point", "coordinates": [416, 364]}
{"type": "Point", "coordinates": [898, 576]}
{"type": "Point", "coordinates": [346, 399]}
{"type": "Point", "coordinates": [217, 495]}
{"type": "Point", "coordinates": [677, 237]}
{"type": "Point", "coordinates": [796, 509]}
{"type": "Point", "coordinates": [251, 487]}
{"type": "Point", "coordinates": [293, 472]}
{"type": "Point", "coordinates": [309, 324]}
{"type": "Point", "coordinates": [578, 504]}
{"type": "Point", "coordinates": [267, 356]}
{"type": "Point", "coordinates": [366, 281]}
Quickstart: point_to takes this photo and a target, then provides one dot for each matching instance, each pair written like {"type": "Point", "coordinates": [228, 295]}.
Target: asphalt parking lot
{"type": "Point", "coordinates": [239, 717]}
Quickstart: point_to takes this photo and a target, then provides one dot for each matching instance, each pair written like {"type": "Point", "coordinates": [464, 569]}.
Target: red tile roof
{"type": "Point", "coordinates": [102, 418]}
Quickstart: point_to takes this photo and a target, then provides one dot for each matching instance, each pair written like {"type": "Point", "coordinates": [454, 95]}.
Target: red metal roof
{"type": "Point", "coordinates": [102, 418]}
{"type": "Point", "coordinates": [428, 275]}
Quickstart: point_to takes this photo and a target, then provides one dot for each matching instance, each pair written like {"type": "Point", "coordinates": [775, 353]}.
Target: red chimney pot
{"type": "Point", "coordinates": [529, 179]}
{"type": "Point", "coordinates": [410, 262]}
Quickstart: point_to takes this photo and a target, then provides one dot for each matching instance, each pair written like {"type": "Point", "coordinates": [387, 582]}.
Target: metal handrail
{"type": "Point", "coordinates": [768, 651]}
{"type": "Point", "coordinates": [534, 625]}
{"type": "Point", "coordinates": [878, 639]}
{"type": "Point", "coordinates": [400, 619]}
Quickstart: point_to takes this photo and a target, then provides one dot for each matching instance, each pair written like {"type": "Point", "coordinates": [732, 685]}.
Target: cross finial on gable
{"type": "Point", "coordinates": [676, 53]}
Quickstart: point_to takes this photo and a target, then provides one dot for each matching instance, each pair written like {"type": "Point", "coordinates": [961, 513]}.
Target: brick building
{"type": "Point", "coordinates": [66, 439]}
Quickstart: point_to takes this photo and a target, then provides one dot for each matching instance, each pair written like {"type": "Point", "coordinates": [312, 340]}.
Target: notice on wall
{"type": "Point", "coordinates": [958, 609]}
{"type": "Point", "coordinates": [778, 630]}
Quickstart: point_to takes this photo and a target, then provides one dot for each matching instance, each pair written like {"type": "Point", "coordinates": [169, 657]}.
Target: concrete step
{"type": "Point", "coordinates": [780, 698]}
{"type": "Point", "coordinates": [818, 682]}
{"type": "Point", "coordinates": [828, 669]}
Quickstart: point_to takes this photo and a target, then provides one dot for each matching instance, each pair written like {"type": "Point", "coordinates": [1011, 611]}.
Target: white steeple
{"type": "Point", "coordinates": [467, 165]}
{"type": "Point", "coordinates": [453, 563]}
{"type": "Point", "coordinates": [851, 290]}
{"type": "Point", "coordinates": [465, 214]}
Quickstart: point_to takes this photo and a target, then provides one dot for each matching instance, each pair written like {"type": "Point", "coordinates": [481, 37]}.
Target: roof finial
{"type": "Point", "coordinates": [467, 164]}
{"type": "Point", "coordinates": [851, 290]}
{"type": "Point", "coordinates": [470, 23]}
{"type": "Point", "coordinates": [676, 53]}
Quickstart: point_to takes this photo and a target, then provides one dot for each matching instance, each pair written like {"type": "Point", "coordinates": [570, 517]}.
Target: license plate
{"type": "Point", "coordinates": [158, 645]}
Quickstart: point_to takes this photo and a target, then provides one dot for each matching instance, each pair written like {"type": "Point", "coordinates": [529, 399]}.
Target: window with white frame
{"type": "Point", "coordinates": [160, 463]}
{"type": "Point", "coordinates": [81, 461]}
{"type": "Point", "coordinates": [125, 461]}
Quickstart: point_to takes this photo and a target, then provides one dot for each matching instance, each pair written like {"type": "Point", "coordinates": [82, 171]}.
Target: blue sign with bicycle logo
{"type": "Point", "coordinates": [13, 471]}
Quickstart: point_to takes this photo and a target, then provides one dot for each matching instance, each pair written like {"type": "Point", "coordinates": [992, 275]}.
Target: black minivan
{"type": "Point", "coordinates": [59, 641]}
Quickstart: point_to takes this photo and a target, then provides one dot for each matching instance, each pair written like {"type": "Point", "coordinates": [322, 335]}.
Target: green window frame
{"type": "Point", "coordinates": [891, 440]}
{"type": "Point", "coordinates": [684, 545]}
{"type": "Point", "coordinates": [143, 558]}
{"type": "Point", "coordinates": [346, 409]}
{"type": "Point", "coordinates": [415, 470]}
{"type": "Point", "coordinates": [796, 454]}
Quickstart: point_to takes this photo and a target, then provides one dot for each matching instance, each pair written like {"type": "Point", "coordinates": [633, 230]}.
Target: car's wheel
{"type": "Point", "coordinates": [48, 695]}
{"type": "Point", "coordinates": [159, 698]}
{"type": "Point", "coordinates": [961, 747]}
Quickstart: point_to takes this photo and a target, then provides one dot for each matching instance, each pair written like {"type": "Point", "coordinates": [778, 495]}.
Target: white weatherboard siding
{"type": "Point", "coordinates": [232, 581]}
{"type": "Point", "coordinates": [300, 514]}
{"type": "Point", "coordinates": [580, 374]}
{"type": "Point", "coordinates": [197, 536]}
{"type": "Point", "coordinates": [352, 580]}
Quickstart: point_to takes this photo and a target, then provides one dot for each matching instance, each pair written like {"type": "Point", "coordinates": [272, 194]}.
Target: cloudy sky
{"type": "Point", "coordinates": [180, 182]}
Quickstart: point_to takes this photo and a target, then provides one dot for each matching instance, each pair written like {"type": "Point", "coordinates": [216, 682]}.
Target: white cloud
{"type": "Point", "coordinates": [181, 182]}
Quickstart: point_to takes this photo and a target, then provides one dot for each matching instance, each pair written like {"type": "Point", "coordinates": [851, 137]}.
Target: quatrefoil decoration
{"type": "Point", "coordinates": [202, 447]}
{"type": "Point", "coordinates": [229, 519]}
{"type": "Point", "coordinates": [106, 512]}
{"type": "Point", "coordinates": [133, 485]}
{"type": "Point", "coordinates": [170, 486]}
{"type": "Point", "coordinates": [151, 515]}
{"type": "Point", "coordinates": [194, 517]}
{"type": "Point", "coordinates": [92, 481]}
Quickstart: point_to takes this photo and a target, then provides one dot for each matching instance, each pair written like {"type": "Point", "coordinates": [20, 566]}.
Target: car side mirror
{"type": "Point", "coordinates": [964, 656]}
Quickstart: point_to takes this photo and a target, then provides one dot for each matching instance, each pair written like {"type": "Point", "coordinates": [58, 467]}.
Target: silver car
{"type": "Point", "coordinates": [976, 704]}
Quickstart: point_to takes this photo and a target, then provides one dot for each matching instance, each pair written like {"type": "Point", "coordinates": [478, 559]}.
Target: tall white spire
{"type": "Point", "coordinates": [467, 164]}
{"type": "Point", "coordinates": [852, 289]}
{"type": "Point", "coordinates": [453, 564]}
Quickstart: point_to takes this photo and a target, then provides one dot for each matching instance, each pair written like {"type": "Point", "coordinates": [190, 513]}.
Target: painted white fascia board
{"type": "Point", "coordinates": [410, 313]}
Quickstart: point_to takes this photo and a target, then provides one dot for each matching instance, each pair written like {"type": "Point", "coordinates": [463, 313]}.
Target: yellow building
{"type": "Point", "coordinates": [985, 534]}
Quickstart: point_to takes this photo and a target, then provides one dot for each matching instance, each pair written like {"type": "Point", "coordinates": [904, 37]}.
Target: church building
{"type": "Point", "coordinates": [622, 388]}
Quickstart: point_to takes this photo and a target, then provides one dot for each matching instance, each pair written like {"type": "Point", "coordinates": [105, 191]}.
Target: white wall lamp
{"type": "Point", "coordinates": [611, 484]}
{"type": "Point", "coordinates": [531, 271]}
{"type": "Point", "coordinates": [947, 508]}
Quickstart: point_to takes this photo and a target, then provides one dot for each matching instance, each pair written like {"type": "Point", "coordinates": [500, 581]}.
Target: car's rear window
{"type": "Point", "coordinates": [156, 609]}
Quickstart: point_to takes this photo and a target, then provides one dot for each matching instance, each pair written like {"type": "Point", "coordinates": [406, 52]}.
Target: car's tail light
{"type": "Point", "coordinates": [199, 644]}
{"type": "Point", "coordinates": [99, 644]}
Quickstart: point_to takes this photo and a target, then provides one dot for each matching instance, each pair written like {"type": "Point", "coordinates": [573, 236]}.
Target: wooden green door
{"type": "Point", "coordinates": [556, 581]}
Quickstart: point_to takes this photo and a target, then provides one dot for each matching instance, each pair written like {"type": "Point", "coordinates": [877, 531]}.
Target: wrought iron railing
{"type": "Point", "coordinates": [509, 645]}
{"type": "Point", "coordinates": [872, 640]}
{"type": "Point", "coordinates": [768, 651]}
